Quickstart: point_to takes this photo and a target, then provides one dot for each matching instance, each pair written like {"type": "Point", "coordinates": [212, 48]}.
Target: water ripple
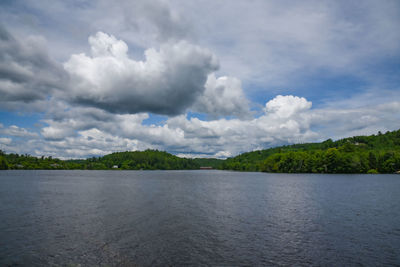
{"type": "Point", "coordinates": [162, 218]}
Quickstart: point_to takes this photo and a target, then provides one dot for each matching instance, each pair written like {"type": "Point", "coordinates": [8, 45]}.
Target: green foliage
{"type": "Point", "coordinates": [359, 154]}
{"type": "Point", "coordinates": [372, 171]}
{"type": "Point", "coordinates": [3, 163]}
{"type": "Point", "coordinates": [134, 160]}
{"type": "Point", "coordinates": [147, 160]}
{"type": "Point", "coordinates": [209, 162]}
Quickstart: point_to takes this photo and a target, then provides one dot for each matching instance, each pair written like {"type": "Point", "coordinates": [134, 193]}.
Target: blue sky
{"type": "Point", "coordinates": [195, 78]}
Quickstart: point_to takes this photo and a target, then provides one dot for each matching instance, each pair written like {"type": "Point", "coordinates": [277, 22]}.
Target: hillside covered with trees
{"type": "Point", "coordinates": [134, 160]}
{"type": "Point", "coordinates": [360, 154]}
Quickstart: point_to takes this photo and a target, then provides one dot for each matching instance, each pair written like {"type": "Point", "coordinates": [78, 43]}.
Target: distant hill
{"type": "Point", "coordinates": [129, 160]}
{"type": "Point", "coordinates": [359, 154]}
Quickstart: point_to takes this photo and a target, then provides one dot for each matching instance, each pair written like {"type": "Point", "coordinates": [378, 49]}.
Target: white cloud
{"type": "Point", "coordinates": [16, 131]}
{"type": "Point", "coordinates": [168, 81]}
{"type": "Point", "coordinates": [5, 140]}
{"type": "Point", "coordinates": [103, 45]}
{"type": "Point", "coordinates": [86, 143]}
{"type": "Point", "coordinates": [57, 132]}
{"type": "Point", "coordinates": [223, 96]}
{"type": "Point", "coordinates": [287, 106]}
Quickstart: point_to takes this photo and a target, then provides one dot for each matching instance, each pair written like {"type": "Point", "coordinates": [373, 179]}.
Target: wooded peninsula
{"type": "Point", "coordinates": [359, 154]}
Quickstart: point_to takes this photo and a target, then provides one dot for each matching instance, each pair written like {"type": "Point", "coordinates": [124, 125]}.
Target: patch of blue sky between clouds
{"type": "Point", "coordinates": [24, 120]}
{"type": "Point", "coordinates": [200, 116]}
{"type": "Point", "coordinates": [155, 119]}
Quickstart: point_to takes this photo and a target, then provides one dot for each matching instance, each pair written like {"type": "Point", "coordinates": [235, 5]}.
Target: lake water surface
{"type": "Point", "coordinates": [162, 218]}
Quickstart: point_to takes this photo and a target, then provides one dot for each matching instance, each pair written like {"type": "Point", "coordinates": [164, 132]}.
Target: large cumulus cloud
{"type": "Point", "coordinates": [170, 80]}
{"type": "Point", "coordinates": [167, 82]}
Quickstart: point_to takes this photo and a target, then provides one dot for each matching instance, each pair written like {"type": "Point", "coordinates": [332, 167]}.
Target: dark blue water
{"type": "Point", "coordinates": [161, 218]}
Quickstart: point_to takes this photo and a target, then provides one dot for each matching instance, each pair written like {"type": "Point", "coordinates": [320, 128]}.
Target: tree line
{"type": "Point", "coordinates": [129, 160]}
{"type": "Point", "coordinates": [359, 154]}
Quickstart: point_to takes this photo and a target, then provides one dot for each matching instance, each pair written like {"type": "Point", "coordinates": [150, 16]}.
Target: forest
{"type": "Point", "coordinates": [129, 160]}
{"type": "Point", "coordinates": [359, 154]}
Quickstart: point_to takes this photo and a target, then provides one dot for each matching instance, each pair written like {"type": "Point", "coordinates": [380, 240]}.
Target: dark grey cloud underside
{"type": "Point", "coordinates": [175, 98]}
{"type": "Point", "coordinates": [27, 73]}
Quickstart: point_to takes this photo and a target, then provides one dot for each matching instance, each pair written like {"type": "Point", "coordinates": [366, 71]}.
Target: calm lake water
{"type": "Point", "coordinates": [161, 218]}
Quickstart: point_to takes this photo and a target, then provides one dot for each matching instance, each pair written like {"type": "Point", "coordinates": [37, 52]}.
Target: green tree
{"type": "Point", "coordinates": [3, 163]}
{"type": "Point", "coordinates": [372, 160]}
{"type": "Point", "coordinates": [331, 160]}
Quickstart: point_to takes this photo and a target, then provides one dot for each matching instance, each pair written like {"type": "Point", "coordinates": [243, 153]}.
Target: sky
{"type": "Point", "coordinates": [195, 78]}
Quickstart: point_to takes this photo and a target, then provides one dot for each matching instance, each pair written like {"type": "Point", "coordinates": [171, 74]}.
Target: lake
{"type": "Point", "coordinates": [161, 218]}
